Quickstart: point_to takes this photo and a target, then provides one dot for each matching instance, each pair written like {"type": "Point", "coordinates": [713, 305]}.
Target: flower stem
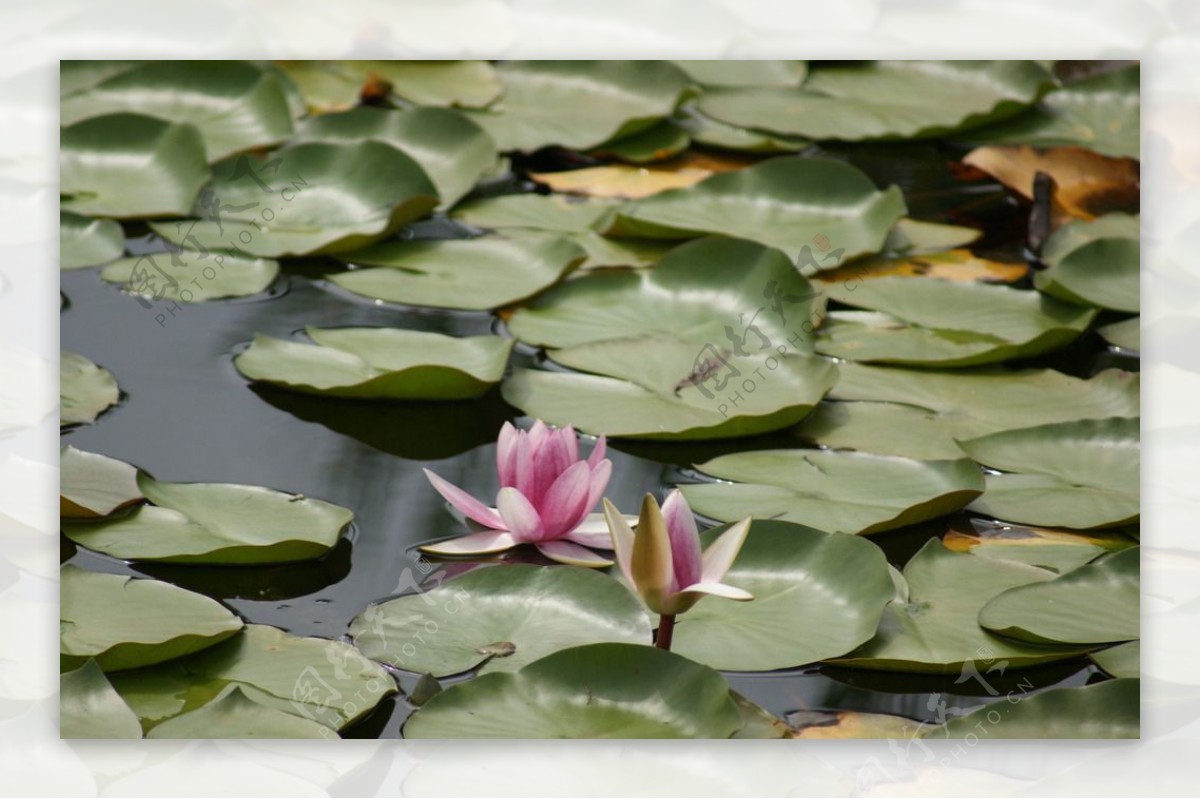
{"type": "Point", "coordinates": [666, 627]}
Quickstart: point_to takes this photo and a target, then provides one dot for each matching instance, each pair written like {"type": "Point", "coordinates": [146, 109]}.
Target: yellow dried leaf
{"type": "Point", "coordinates": [957, 265]}
{"type": "Point", "coordinates": [624, 181]}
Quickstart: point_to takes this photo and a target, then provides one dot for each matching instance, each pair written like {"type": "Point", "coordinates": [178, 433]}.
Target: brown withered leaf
{"type": "Point", "coordinates": [958, 265]}
{"type": "Point", "coordinates": [1087, 184]}
{"type": "Point", "coordinates": [629, 182]}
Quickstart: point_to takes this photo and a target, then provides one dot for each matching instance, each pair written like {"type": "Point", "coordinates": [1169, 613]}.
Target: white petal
{"type": "Point", "coordinates": [476, 544]}
{"type": "Point", "coordinates": [719, 556]}
{"type": "Point", "coordinates": [719, 589]}
{"type": "Point", "coordinates": [573, 554]}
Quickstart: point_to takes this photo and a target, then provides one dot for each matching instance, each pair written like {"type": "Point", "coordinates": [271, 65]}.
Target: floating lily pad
{"type": "Point", "coordinates": [235, 105]}
{"type": "Point", "coordinates": [703, 129]}
{"type": "Point", "coordinates": [787, 202]}
{"type": "Point", "coordinates": [916, 237]}
{"type": "Point", "coordinates": [663, 140]}
{"type": "Point", "coordinates": [1078, 474]}
{"type": "Point", "coordinates": [88, 242]}
{"type": "Point", "coordinates": [936, 629]}
{"type": "Point", "coordinates": [536, 212]}
{"type": "Point", "coordinates": [816, 596]}
{"type": "Point", "coordinates": [719, 73]}
{"type": "Point", "coordinates": [125, 623]}
{"type": "Point", "coordinates": [452, 150]}
{"type": "Point", "coordinates": [305, 199]}
{"type": "Point", "coordinates": [849, 724]}
{"type": "Point", "coordinates": [885, 99]}
{"type": "Point", "coordinates": [1102, 113]}
{"type": "Point", "coordinates": [1105, 710]}
{"type": "Point", "coordinates": [670, 389]}
{"type": "Point", "coordinates": [1094, 604]}
{"type": "Point", "coordinates": [1127, 334]}
{"type": "Point", "coordinates": [130, 166]}
{"type": "Point", "coordinates": [603, 252]}
{"type": "Point", "coordinates": [919, 414]}
{"type": "Point", "coordinates": [960, 266]}
{"type": "Point", "coordinates": [1057, 550]}
{"type": "Point", "coordinates": [839, 492]}
{"type": "Point", "coordinates": [1122, 660]}
{"type": "Point", "coordinates": [90, 708]}
{"type": "Point", "coordinates": [1094, 263]}
{"type": "Point", "coordinates": [737, 296]}
{"type": "Point", "coordinates": [499, 619]}
{"type": "Point", "coordinates": [630, 691]}
{"type": "Point", "coordinates": [93, 485]}
{"type": "Point", "coordinates": [77, 75]}
{"type": "Point", "coordinates": [329, 682]}
{"type": "Point", "coordinates": [475, 274]}
{"type": "Point", "coordinates": [579, 104]}
{"type": "Point", "coordinates": [190, 276]}
{"type": "Point", "coordinates": [216, 523]}
{"type": "Point", "coordinates": [938, 322]}
{"type": "Point", "coordinates": [235, 715]}
{"type": "Point", "coordinates": [338, 85]}
{"type": "Point", "coordinates": [378, 363]}
{"type": "Point", "coordinates": [85, 390]}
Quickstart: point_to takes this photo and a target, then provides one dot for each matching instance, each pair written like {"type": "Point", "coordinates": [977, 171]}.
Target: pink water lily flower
{"type": "Point", "coordinates": [663, 563]}
{"type": "Point", "coordinates": [546, 494]}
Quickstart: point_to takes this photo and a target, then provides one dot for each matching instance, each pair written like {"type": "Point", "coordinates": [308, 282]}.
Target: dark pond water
{"type": "Point", "coordinates": [187, 415]}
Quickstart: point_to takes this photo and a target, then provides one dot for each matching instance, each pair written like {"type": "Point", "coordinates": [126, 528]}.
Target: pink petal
{"type": "Point", "coordinates": [537, 435]}
{"type": "Point", "coordinates": [469, 506]}
{"type": "Point", "coordinates": [522, 465]}
{"type": "Point", "coordinates": [719, 589]}
{"type": "Point", "coordinates": [564, 504]}
{"type": "Point", "coordinates": [520, 515]}
{"type": "Point", "coordinates": [719, 556]}
{"type": "Point", "coordinates": [598, 451]}
{"type": "Point", "coordinates": [572, 443]}
{"type": "Point", "coordinates": [573, 554]}
{"type": "Point", "coordinates": [685, 540]}
{"type": "Point", "coordinates": [549, 463]}
{"type": "Point", "coordinates": [622, 540]}
{"type": "Point", "coordinates": [601, 473]}
{"type": "Point", "coordinates": [474, 544]}
{"type": "Point", "coordinates": [506, 464]}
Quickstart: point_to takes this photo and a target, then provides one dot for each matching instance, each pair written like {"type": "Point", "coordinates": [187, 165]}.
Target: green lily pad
{"type": "Point", "coordinates": [816, 596]}
{"type": "Point", "coordinates": [337, 85]}
{"type": "Point", "coordinates": [464, 623]}
{"type": "Point", "coordinates": [651, 388]}
{"type": "Point", "coordinates": [130, 166]}
{"type": "Point", "coordinates": [1094, 604]}
{"type": "Point", "coordinates": [77, 75]}
{"type": "Point", "coordinates": [85, 390]}
{"type": "Point", "coordinates": [915, 237]}
{"type": "Point", "coordinates": [1122, 660]}
{"type": "Point", "coordinates": [936, 322]}
{"type": "Point", "coordinates": [727, 73]}
{"type": "Point", "coordinates": [191, 276]}
{"type": "Point", "coordinates": [1090, 267]}
{"type": "Point", "coordinates": [1107, 710]}
{"type": "Point", "coordinates": [90, 708]}
{"type": "Point", "coordinates": [551, 212]}
{"type": "Point", "coordinates": [1080, 474]}
{"type": "Point", "coordinates": [378, 363]}
{"type": "Point", "coordinates": [737, 296]}
{"type": "Point", "coordinates": [329, 682]}
{"type": "Point", "coordinates": [92, 485]}
{"type": "Point", "coordinates": [1059, 551]}
{"type": "Point", "coordinates": [787, 202]}
{"type": "Point", "coordinates": [1127, 334]}
{"type": "Point", "coordinates": [1102, 113]}
{"type": "Point", "coordinates": [920, 414]}
{"type": "Point", "coordinates": [235, 715]}
{"type": "Point", "coordinates": [630, 691]}
{"type": "Point", "coordinates": [306, 199]}
{"type": "Point", "coordinates": [603, 252]}
{"type": "Point", "coordinates": [838, 492]}
{"type": "Point", "coordinates": [452, 150]}
{"type": "Point", "coordinates": [235, 105]}
{"type": "Point", "coordinates": [475, 274]}
{"type": "Point", "coordinates": [664, 140]}
{"type": "Point", "coordinates": [125, 623]}
{"type": "Point", "coordinates": [88, 242]}
{"type": "Point", "coordinates": [937, 629]}
{"type": "Point", "coordinates": [703, 129]}
{"type": "Point", "coordinates": [885, 99]}
{"type": "Point", "coordinates": [216, 523]}
{"type": "Point", "coordinates": [579, 104]}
